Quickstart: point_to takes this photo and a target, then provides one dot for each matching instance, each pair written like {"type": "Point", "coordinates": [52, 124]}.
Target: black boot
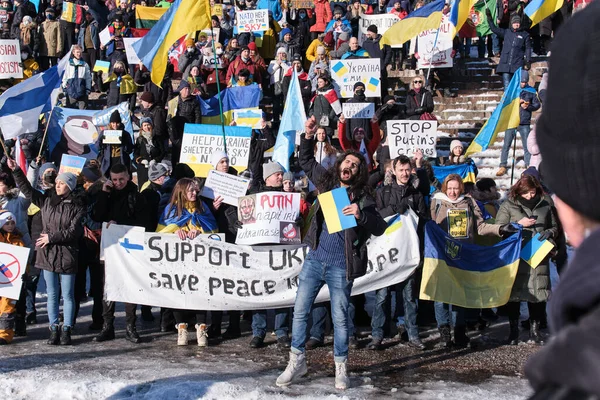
{"type": "Point", "coordinates": [534, 332]}
{"type": "Point", "coordinates": [65, 336]}
{"type": "Point", "coordinates": [20, 326]}
{"type": "Point", "coordinates": [107, 333]}
{"type": "Point", "coordinates": [460, 336]}
{"type": "Point", "coordinates": [131, 334]}
{"type": "Point", "coordinates": [147, 314]}
{"type": "Point", "coordinates": [54, 335]}
{"type": "Point", "coordinates": [513, 337]}
{"type": "Point", "coordinates": [445, 337]}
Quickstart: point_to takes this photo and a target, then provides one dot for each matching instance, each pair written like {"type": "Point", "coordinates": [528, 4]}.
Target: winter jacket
{"type": "Point", "coordinates": [118, 36]}
{"type": "Point", "coordinates": [277, 73]}
{"type": "Point", "coordinates": [532, 285]}
{"type": "Point", "coordinates": [370, 145]}
{"type": "Point", "coordinates": [353, 123]}
{"type": "Point", "coordinates": [152, 195]}
{"type": "Point", "coordinates": [125, 207]}
{"type": "Point", "coordinates": [413, 102]}
{"type": "Point", "coordinates": [210, 75]}
{"type": "Point", "coordinates": [529, 95]}
{"type": "Point", "coordinates": [323, 15]}
{"type": "Point", "coordinates": [159, 119]}
{"type": "Point", "coordinates": [369, 223]}
{"type": "Point", "coordinates": [375, 51]}
{"type": "Point", "coordinates": [270, 39]}
{"type": "Point", "coordinates": [188, 111]}
{"type": "Point", "coordinates": [94, 33]}
{"type": "Point", "coordinates": [516, 50]}
{"type": "Point", "coordinates": [326, 103]}
{"type": "Point", "coordinates": [109, 151]}
{"type": "Point", "coordinates": [83, 72]}
{"type": "Point", "coordinates": [50, 39]}
{"type": "Point", "coordinates": [395, 198]}
{"type": "Point", "coordinates": [441, 204]}
{"type": "Point", "coordinates": [121, 88]}
{"type": "Point", "coordinates": [358, 53]}
{"type": "Point", "coordinates": [292, 47]}
{"type": "Point", "coordinates": [533, 149]}
{"type": "Point", "coordinates": [18, 205]}
{"type": "Point", "coordinates": [25, 8]}
{"type": "Point", "coordinates": [305, 86]}
{"type": "Point", "coordinates": [157, 151]}
{"type": "Point", "coordinates": [568, 366]}
{"type": "Point", "coordinates": [161, 94]}
{"type": "Point", "coordinates": [311, 52]}
{"type": "Point", "coordinates": [186, 59]}
{"type": "Point", "coordinates": [127, 15]}
{"type": "Point", "coordinates": [238, 64]}
{"type": "Point", "coordinates": [261, 141]}
{"type": "Point", "coordinates": [271, 5]}
{"type": "Point", "coordinates": [29, 36]}
{"type": "Point", "coordinates": [62, 220]}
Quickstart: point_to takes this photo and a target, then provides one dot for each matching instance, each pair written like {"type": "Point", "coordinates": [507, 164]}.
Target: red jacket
{"type": "Point", "coordinates": [371, 146]}
{"type": "Point", "coordinates": [323, 15]}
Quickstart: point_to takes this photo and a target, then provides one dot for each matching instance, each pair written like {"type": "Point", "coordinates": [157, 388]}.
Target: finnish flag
{"type": "Point", "coordinates": [22, 104]}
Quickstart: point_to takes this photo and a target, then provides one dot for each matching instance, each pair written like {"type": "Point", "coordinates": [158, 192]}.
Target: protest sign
{"type": "Point", "coordinates": [536, 250]}
{"type": "Point", "coordinates": [441, 55]}
{"type": "Point", "coordinates": [383, 22]}
{"type": "Point", "coordinates": [13, 262]}
{"type": "Point", "coordinates": [346, 73]}
{"type": "Point", "coordinates": [217, 10]}
{"type": "Point", "coordinates": [332, 203]}
{"type": "Point", "coordinates": [229, 187]}
{"type": "Point", "coordinates": [73, 164]}
{"type": "Point", "coordinates": [269, 217]}
{"type": "Point", "coordinates": [252, 20]}
{"type": "Point", "coordinates": [202, 274]}
{"type": "Point", "coordinates": [104, 36]}
{"type": "Point", "coordinates": [200, 141]}
{"type": "Point", "coordinates": [132, 57]}
{"type": "Point", "coordinates": [404, 137]}
{"type": "Point", "coordinates": [252, 117]}
{"type": "Point", "coordinates": [298, 4]}
{"type": "Point", "coordinates": [358, 110]}
{"type": "Point", "coordinates": [112, 136]}
{"type": "Point", "coordinates": [10, 59]}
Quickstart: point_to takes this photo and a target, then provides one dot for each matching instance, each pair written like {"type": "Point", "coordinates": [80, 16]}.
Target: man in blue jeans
{"type": "Point", "coordinates": [335, 259]}
{"type": "Point", "coordinates": [530, 102]}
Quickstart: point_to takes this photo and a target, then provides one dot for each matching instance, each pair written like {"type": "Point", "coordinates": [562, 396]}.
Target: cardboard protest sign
{"type": "Point", "coordinates": [269, 217]}
{"type": "Point", "coordinates": [383, 22]}
{"type": "Point", "coordinates": [13, 262]}
{"type": "Point", "coordinates": [358, 110]}
{"type": "Point", "coordinates": [73, 164]}
{"type": "Point", "coordinates": [132, 57]}
{"type": "Point", "coordinates": [252, 118]}
{"type": "Point", "coordinates": [200, 141]}
{"type": "Point", "coordinates": [10, 59]}
{"type": "Point", "coordinates": [104, 36]}
{"type": "Point", "coordinates": [346, 73]}
{"type": "Point", "coordinates": [217, 10]}
{"type": "Point", "coordinates": [227, 186]}
{"type": "Point", "coordinates": [441, 55]}
{"type": "Point", "coordinates": [332, 204]}
{"type": "Point", "coordinates": [406, 136]}
{"type": "Point", "coordinates": [112, 136]}
{"type": "Point", "coordinates": [536, 250]}
{"type": "Point", "coordinates": [204, 274]}
{"type": "Point", "coordinates": [252, 20]}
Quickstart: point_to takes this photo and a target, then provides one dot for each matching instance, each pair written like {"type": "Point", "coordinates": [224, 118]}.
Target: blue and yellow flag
{"type": "Point", "coordinates": [538, 10]}
{"type": "Point", "coordinates": [169, 222]}
{"type": "Point", "coordinates": [183, 17]}
{"type": "Point", "coordinates": [332, 203]}
{"type": "Point", "coordinates": [468, 275]}
{"type": "Point", "coordinates": [426, 17]}
{"type": "Point", "coordinates": [459, 13]}
{"type": "Point", "coordinates": [536, 250]}
{"type": "Point", "coordinates": [467, 171]}
{"type": "Point", "coordinates": [239, 98]}
{"type": "Point", "coordinates": [505, 116]}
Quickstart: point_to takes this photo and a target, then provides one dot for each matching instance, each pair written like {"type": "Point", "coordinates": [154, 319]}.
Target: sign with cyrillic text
{"type": "Point", "coordinates": [346, 73]}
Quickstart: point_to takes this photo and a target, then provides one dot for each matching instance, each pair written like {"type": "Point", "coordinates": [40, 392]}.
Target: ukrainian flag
{"type": "Point", "coordinates": [459, 13]}
{"type": "Point", "coordinates": [170, 222]}
{"type": "Point", "coordinates": [340, 69]}
{"type": "Point", "coordinates": [467, 171]}
{"type": "Point", "coordinates": [102, 66]}
{"type": "Point", "coordinates": [147, 17]}
{"type": "Point", "coordinates": [538, 10]}
{"type": "Point", "coordinates": [536, 250]}
{"type": "Point", "coordinates": [238, 98]}
{"type": "Point", "coordinates": [465, 274]}
{"type": "Point", "coordinates": [332, 203]}
{"type": "Point", "coordinates": [426, 17]}
{"type": "Point", "coordinates": [183, 17]}
{"type": "Point", "coordinates": [505, 116]}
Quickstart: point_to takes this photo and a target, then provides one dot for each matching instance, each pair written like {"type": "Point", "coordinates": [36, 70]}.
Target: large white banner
{"type": "Point", "coordinates": [383, 22]}
{"type": "Point", "coordinates": [10, 59]}
{"type": "Point", "coordinates": [346, 73]}
{"type": "Point", "coordinates": [406, 136]}
{"type": "Point", "coordinates": [202, 274]}
{"type": "Point", "coordinates": [13, 262]}
{"type": "Point", "coordinates": [441, 55]}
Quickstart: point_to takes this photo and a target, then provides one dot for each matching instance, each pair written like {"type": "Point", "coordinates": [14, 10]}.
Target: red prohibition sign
{"type": "Point", "coordinates": [8, 271]}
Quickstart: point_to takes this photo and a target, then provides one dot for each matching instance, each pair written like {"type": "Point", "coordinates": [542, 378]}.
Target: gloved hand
{"type": "Point", "coordinates": [145, 163]}
{"type": "Point", "coordinates": [527, 66]}
{"type": "Point", "coordinates": [400, 208]}
{"type": "Point", "coordinates": [545, 235]}
{"type": "Point", "coordinates": [419, 110]}
{"type": "Point", "coordinates": [300, 222]}
{"type": "Point", "coordinates": [507, 230]}
{"type": "Point", "coordinates": [488, 13]}
{"type": "Point", "coordinates": [238, 224]}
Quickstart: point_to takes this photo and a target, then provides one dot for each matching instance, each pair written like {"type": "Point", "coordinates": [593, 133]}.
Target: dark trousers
{"type": "Point", "coordinates": [96, 286]}
{"type": "Point", "coordinates": [234, 319]}
{"type": "Point", "coordinates": [536, 310]}
{"type": "Point", "coordinates": [90, 56]}
{"type": "Point", "coordinates": [108, 312]}
{"type": "Point", "coordinates": [181, 316]}
{"type": "Point", "coordinates": [47, 62]}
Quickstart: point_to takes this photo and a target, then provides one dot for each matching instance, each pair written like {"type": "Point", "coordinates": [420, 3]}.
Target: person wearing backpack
{"type": "Point", "coordinates": [77, 80]}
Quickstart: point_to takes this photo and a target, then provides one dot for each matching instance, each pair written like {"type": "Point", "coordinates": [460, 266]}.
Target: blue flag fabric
{"type": "Point", "coordinates": [234, 98]}
{"type": "Point", "coordinates": [292, 120]}
{"type": "Point", "coordinates": [170, 222]}
{"type": "Point", "coordinates": [467, 171]}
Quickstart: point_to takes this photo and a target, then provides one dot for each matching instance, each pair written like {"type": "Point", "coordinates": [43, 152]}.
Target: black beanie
{"type": "Point", "coordinates": [359, 84]}
{"type": "Point", "coordinates": [567, 132]}
{"type": "Point", "coordinates": [115, 117]}
{"type": "Point", "coordinates": [372, 28]}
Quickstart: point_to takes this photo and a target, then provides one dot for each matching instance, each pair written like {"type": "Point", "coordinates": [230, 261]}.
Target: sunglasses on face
{"type": "Point", "coordinates": [417, 82]}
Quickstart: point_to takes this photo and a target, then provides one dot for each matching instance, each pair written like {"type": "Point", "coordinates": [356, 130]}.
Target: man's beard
{"type": "Point", "coordinates": [347, 178]}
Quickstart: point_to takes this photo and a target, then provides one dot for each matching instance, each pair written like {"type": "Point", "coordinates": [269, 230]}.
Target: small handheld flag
{"type": "Point", "coordinates": [332, 204]}
{"type": "Point", "coordinates": [534, 252]}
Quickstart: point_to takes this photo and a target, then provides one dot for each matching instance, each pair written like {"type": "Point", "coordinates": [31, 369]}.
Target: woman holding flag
{"type": "Point", "coordinates": [188, 216]}
{"type": "Point", "coordinates": [459, 216]}
{"type": "Point", "coordinates": [528, 206]}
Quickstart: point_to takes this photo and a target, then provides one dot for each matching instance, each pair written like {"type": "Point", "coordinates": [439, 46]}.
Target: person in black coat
{"type": "Point", "coordinates": [113, 154]}
{"type": "Point", "coordinates": [188, 111]}
{"type": "Point", "coordinates": [303, 80]}
{"type": "Point", "coordinates": [148, 149]}
{"type": "Point", "coordinates": [418, 100]}
{"type": "Point", "coordinates": [261, 141]}
{"type": "Point", "coordinates": [161, 95]}
{"type": "Point", "coordinates": [516, 49]}
{"type": "Point", "coordinates": [372, 46]}
{"type": "Point", "coordinates": [156, 112]}
{"type": "Point", "coordinates": [22, 8]}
